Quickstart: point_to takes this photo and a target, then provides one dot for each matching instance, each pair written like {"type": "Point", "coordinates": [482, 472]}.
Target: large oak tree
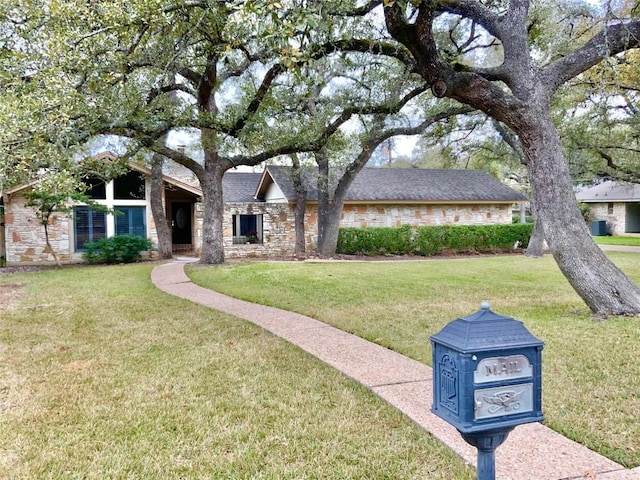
{"type": "Point", "coordinates": [518, 92]}
{"type": "Point", "coordinates": [233, 75]}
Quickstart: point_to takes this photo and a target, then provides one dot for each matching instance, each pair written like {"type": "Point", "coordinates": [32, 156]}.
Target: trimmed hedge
{"type": "Point", "coordinates": [118, 249]}
{"type": "Point", "coordinates": [432, 240]}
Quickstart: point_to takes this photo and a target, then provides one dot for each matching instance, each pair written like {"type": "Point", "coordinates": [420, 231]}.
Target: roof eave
{"type": "Point", "coordinates": [167, 179]}
{"type": "Point", "coordinates": [265, 180]}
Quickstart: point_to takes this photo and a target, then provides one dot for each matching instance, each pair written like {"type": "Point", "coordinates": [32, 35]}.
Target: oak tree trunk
{"type": "Point", "coordinates": [331, 228]}
{"type": "Point", "coordinates": [323, 201]}
{"type": "Point", "coordinates": [535, 249]}
{"type": "Point", "coordinates": [213, 203]}
{"type": "Point", "coordinates": [165, 247]}
{"type": "Point", "coordinates": [602, 286]}
{"type": "Point", "coordinates": [301, 205]}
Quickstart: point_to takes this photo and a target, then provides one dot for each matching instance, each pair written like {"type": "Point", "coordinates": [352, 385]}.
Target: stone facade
{"type": "Point", "coordinates": [25, 239]}
{"type": "Point", "coordinates": [613, 213]}
{"type": "Point", "coordinates": [420, 215]}
{"type": "Point", "coordinates": [279, 230]}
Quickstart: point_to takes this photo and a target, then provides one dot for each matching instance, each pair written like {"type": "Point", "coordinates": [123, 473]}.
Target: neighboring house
{"type": "Point", "coordinates": [618, 204]}
{"type": "Point", "coordinates": [259, 210]}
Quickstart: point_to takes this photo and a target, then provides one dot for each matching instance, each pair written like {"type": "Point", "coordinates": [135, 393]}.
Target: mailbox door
{"type": "Point", "coordinates": [506, 388]}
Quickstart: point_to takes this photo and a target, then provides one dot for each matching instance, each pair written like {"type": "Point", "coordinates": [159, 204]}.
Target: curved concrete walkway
{"type": "Point", "coordinates": [532, 452]}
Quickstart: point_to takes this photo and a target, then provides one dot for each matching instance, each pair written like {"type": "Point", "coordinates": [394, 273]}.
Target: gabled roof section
{"type": "Point", "coordinates": [404, 185]}
{"type": "Point", "coordinates": [17, 188]}
{"type": "Point", "coordinates": [611, 192]}
{"type": "Point", "coordinates": [167, 179]}
{"type": "Point", "coordinates": [132, 165]}
{"type": "Point", "coordinates": [239, 187]}
{"type": "Point", "coordinates": [106, 155]}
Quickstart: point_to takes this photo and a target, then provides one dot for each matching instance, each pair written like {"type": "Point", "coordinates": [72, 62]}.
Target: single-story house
{"type": "Point", "coordinates": [616, 203]}
{"type": "Point", "coordinates": [259, 210]}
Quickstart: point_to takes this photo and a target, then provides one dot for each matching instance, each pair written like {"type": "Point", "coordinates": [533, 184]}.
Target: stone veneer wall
{"type": "Point", "coordinates": [25, 241]}
{"type": "Point", "coordinates": [279, 229]}
{"type": "Point", "coordinates": [26, 244]}
{"type": "Point", "coordinates": [615, 221]}
{"type": "Point", "coordinates": [421, 215]}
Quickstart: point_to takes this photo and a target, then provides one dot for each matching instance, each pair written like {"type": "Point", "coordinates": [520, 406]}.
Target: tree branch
{"type": "Point", "coordinates": [388, 49]}
{"type": "Point", "coordinates": [174, 87]}
{"type": "Point", "coordinates": [178, 157]}
{"type": "Point", "coordinates": [260, 95]}
{"type": "Point", "coordinates": [331, 129]}
{"type": "Point", "coordinates": [610, 41]}
{"type": "Point", "coordinates": [474, 10]}
{"type": "Point", "coordinates": [191, 75]}
{"type": "Point", "coordinates": [206, 100]}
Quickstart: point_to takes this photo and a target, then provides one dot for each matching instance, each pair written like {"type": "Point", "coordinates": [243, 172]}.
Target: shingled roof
{"type": "Point", "coordinates": [611, 192]}
{"type": "Point", "coordinates": [404, 184]}
{"type": "Point", "coordinates": [240, 187]}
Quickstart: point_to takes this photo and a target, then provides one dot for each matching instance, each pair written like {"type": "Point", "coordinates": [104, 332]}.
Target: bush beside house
{"type": "Point", "coordinates": [432, 240]}
{"type": "Point", "coordinates": [118, 249]}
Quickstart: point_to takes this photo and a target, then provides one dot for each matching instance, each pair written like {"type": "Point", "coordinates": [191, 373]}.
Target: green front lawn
{"type": "Point", "coordinates": [630, 241]}
{"type": "Point", "coordinates": [102, 376]}
{"type": "Point", "coordinates": [591, 372]}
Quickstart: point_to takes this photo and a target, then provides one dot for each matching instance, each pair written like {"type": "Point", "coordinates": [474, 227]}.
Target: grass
{"type": "Point", "coordinates": [102, 376]}
{"type": "Point", "coordinates": [591, 372]}
{"type": "Point", "coordinates": [630, 241]}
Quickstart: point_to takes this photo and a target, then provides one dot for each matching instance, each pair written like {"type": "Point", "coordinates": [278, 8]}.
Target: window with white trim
{"type": "Point", "coordinates": [247, 229]}
{"type": "Point", "coordinates": [127, 195]}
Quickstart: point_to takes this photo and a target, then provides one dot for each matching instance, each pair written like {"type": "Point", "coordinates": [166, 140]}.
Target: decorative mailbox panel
{"type": "Point", "coordinates": [486, 373]}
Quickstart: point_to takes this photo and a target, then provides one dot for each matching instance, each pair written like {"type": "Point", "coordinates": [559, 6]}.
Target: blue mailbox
{"type": "Point", "coordinates": [487, 373]}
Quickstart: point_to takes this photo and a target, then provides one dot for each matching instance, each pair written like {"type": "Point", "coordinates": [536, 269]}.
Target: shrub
{"type": "Point", "coordinates": [516, 219]}
{"type": "Point", "coordinates": [375, 241]}
{"type": "Point", "coordinates": [118, 249]}
{"type": "Point", "coordinates": [585, 211]}
{"type": "Point", "coordinates": [432, 240]}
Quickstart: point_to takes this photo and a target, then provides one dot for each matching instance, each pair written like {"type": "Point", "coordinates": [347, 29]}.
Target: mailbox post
{"type": "Point", "coordinates": [486, 380]}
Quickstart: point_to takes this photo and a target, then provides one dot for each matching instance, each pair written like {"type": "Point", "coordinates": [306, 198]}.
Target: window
{"type": "Point", "coordinates": [247, 229]}
{"type": "Point", "coordinates": [610, 208]}
{"type": "Point", "coordinates": [131, 221]}
{"type": "Point", "coordinates": [129, 187]}
{"type": "Point", "coordinates": [96, 188]}
{"type": "Point", "coordinates": [89, 226]}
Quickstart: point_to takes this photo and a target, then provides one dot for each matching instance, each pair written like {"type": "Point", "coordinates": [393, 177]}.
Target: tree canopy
{"type": "Point", "coordinates": [256, 79]}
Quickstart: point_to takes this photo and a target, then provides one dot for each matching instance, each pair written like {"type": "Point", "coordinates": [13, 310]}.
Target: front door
{"type": "Point", "coordinates": [181, 233]}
